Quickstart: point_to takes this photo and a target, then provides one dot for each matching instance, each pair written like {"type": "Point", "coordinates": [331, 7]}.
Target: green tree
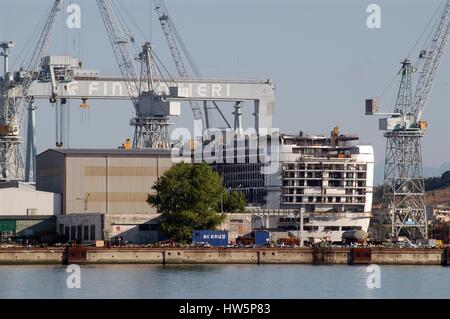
{"type": "Point", "coordinates": [433, 183]}
{"type": "Point", "coordinates": [188, 197]}
{"type": "Point", "coordinates": [234, 202]}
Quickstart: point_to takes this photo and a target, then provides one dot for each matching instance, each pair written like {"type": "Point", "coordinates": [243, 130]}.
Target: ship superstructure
{"type": "Point", "coordinates": [328, 178]}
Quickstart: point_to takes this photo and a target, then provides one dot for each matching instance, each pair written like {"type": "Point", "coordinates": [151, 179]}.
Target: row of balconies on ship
{"type": "Point", "coordinates": [349, 167]}
{"type": "Point", "coordinates": [248, 177]}
{"type": "Point", "coordinates": [326, 195]}
{"type": "Point", "coordinates": [324, 191]}
{"type": "Point", "coordinates": [255, 191]}
{"type": "Point", "coordinates": [331, 191]}
{"type": "Point", "coordinates": [353, 200]}
{"type": "Point", "coordinates": [323, 184]}
{"type": "Point", "coordinates": [324, 175]}
{"type": "Point", "coordinates": [289, 157]}
{"type": "Point", "coordinates": [239, 185]}
{"type": "Point", "coordinates": [320, 153]}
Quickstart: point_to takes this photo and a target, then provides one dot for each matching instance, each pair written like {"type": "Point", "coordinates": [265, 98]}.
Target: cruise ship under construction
{"type": "Point", "coordinates": [326, 179]}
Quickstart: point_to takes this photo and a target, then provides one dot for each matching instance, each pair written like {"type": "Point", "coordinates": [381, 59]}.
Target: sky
{"type": "Point", "coordinates": [321, 55]}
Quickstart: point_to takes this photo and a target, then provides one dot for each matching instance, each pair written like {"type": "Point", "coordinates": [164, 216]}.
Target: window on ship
{"type": "Point", "coordinates": [331, 228]}
{"type": "Point", "coordinates": [345, 228]}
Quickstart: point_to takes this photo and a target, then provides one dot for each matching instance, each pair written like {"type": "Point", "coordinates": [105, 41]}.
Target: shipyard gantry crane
{"type": "Point", "coordinates": [174, 42]}
{"type": "Point", "coordinates": [14, 89]}
{"type": "Point", "coordinates": [152, 109]}
{"type": "Point", "coordinates": [403, 206]}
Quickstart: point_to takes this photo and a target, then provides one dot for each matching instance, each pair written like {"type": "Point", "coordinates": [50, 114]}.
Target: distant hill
{"type": "Point", "coordinates": [428, 171]}
{"type": "Point", "coordinates": [432, 198]}
{"type": "Point", "coordinates": [438, 197]}
{"type": "Point", "coordinates": [437, 190]}
{"type": "Point", "coordinates": [433, 183]}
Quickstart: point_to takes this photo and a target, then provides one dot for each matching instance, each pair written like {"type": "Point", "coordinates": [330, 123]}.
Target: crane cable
{"type": "Point", "coordinates": [416, 44]}
{"type": "Point", "coordinates": [129, 18]}
{"type": "Point", "coordinates": [126, 30]}
{"type": "Point", "coordinates": [190, 59]}
{"type": "Point", "coordinates": [25, 54]}
{"type": "Point", "coordinates": [432, 19]}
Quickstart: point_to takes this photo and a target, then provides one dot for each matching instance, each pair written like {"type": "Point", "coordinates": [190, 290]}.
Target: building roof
{"type": "Point", "coordinates": [18, 185]}
{"type": "Point", "coordinates": [28, 217]}
{"type": "Point", "coordinates": [107, 152]}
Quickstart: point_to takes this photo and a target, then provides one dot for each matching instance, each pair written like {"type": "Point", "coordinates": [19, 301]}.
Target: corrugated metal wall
{"type": "Point", "coordinates": [82, 186]}
{"type": "Point", "coordinates": [129, 183]}
{"type": "Point", "coordinates": [114, 185]}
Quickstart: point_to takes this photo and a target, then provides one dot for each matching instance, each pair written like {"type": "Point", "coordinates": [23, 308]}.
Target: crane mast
{"type": "Point", "coordinates": [11, 108]}
{"type": "Point", "coordinates": [403, 209]}
{"type": "Point", "coordinates": [151, 123]}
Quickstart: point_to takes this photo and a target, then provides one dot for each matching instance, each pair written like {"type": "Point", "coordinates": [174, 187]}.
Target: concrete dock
{"type": "Point", "coordinates": [318, 256]}
{"type": "Point", "coordinates": [34, 256]}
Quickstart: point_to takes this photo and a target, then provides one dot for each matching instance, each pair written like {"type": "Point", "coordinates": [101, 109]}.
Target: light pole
{"type": "Point", "coordinates": [300, 227]}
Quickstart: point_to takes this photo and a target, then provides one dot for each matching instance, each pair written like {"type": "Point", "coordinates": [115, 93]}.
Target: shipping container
{"type": "Point", "coordinates": [262, 237]}
{"type": "Point", "coordinates": [7, 227]}
{"type": "Point", "coordinates": [211, 237]}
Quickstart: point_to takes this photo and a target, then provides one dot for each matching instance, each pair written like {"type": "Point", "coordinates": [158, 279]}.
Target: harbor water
{"type": "Point", "coordinates": [224, 281]}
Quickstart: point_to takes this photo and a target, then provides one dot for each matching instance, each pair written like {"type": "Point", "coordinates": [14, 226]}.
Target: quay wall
{"type": "Point", "coordinates": [409, 256]}
{"type": "Point", "coordinates": [33, 256]}
{"type": "Point", "coordinates": [124, 255]}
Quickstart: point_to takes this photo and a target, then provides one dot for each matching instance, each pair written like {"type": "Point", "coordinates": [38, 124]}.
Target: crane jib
{"type": "Point", "coordinates": [433, 57]}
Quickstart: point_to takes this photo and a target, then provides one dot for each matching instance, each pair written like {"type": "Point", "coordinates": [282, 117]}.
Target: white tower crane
{"type": "Point", "coordinates": [12, 108]}
{"type": "Point", "coordinates": [403, 188]}
{"type": "Point", "coordinates": [152, 109]}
